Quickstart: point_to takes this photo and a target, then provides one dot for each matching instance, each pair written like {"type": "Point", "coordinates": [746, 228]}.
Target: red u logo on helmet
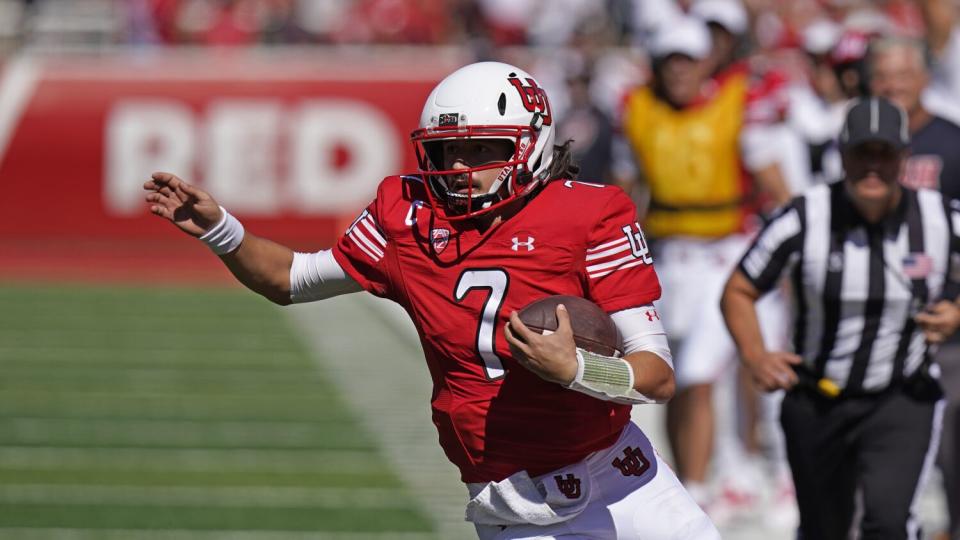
{"type": "Point", "coordinates": [533, 97]}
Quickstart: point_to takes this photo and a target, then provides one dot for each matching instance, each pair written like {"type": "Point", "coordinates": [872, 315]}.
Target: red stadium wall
{"type": "Point", "coordinates": [293, 144]}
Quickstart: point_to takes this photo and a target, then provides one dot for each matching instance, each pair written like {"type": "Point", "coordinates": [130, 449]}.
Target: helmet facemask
{"type": "Point", "coordinates": [455, 193]}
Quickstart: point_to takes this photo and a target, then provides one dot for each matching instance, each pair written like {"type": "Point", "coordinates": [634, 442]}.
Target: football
{"type": "Point", "coordinates": [593, 329]}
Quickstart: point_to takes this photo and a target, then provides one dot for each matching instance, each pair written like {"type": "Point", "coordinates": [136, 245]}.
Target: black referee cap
{"type": "Point", "coordinates": [875, 119]}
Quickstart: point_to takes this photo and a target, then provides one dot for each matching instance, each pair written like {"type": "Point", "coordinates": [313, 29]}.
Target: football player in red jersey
{"type": "Point", "coordinates": [539, 429]}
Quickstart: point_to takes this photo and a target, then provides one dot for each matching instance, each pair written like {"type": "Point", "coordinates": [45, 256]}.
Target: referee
{"type": "Point", "coordinates": [874, 276]}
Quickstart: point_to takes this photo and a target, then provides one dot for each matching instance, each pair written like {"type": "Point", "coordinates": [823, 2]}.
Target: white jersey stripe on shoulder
{"type": "Point", "coordinates": [368, 223]}
{"type": "Point", "coordinates": [360, 245]}
{"type": "Point", "coordinates": [367, 242]}
{"type": "Point", "coordinates": [365, 245]}
{"type": "Point", "coordinates": [607, 245]}
{"type": "Point", "coordinates": [610, 264]}
{"type": "Point", "coordinates": [607, 253]}
{"type": "Point", "coordinates": [637, 262]}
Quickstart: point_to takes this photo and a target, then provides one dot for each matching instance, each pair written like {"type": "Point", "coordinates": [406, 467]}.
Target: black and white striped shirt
{"type": "Point", "coordinates": [857, 286]}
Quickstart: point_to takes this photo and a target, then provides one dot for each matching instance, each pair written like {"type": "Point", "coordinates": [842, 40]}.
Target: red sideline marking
{"type": "Point", "coordinates": [89, 261]}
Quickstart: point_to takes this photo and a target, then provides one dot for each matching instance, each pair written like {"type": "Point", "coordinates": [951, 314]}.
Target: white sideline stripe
{"type": "Point", "coordinates": [205, 400]}
{"type": "Point", "coordinates": [70, 354]}
{"type": "Point", "coordinates": [25, 533]}
{"type": "Point", "coordinates": [188, 459]}
{"type": "Point", "coordinates": [638, 262]}
{"type": "Point", "coordinates": [365, 245]}
{"type": "Point", "coordinates": [16, 87]}
{"type": "Point", "coordinates": [610, 264]}
{"type": "Point", "coordinates": [389, 397]}
{"type": "Point", "coordinates": [369, 225]}
{"type": "Point", "coordinates": [245, 496]}
{"type": "Point", "coordinates": [608, 244]}
{"type": "Point", "coordinates": [163, 431]}
{"type": "Point", "coordinates": [607, 253]}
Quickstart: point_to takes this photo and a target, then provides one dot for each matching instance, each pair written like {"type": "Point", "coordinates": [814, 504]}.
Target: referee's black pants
{"type": "Point", "coordinates": [879, 444]}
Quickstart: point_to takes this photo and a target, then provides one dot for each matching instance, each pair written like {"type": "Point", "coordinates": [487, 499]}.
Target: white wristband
{"type": "Point", "coordinates": [606, 378]}
{"type": "Point", "coordinates": [225, 236]}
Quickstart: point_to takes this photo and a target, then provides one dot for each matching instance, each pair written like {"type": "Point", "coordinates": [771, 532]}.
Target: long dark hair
{"type": "Point", "coordinates": [563, 165]}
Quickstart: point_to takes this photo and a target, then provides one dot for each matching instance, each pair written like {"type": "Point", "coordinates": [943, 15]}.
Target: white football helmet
{"type": "Point", "coordinates": [486, 100]}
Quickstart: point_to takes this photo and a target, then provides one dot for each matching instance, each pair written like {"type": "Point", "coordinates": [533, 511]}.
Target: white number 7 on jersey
{"type": "Point", "coordinates": [494, 280]}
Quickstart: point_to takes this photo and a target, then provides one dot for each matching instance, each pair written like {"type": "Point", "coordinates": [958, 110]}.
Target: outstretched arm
{"type": "Point", "coordinates": [261, 265]}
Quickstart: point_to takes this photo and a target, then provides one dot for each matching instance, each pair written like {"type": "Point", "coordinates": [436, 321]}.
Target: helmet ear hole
{"type": "Point", "coordinates": [502, 104]}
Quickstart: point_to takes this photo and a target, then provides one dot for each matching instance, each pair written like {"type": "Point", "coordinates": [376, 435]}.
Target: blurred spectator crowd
{"type": "Point", "coordinates": [775, 23]}
{"type": "Point", "coordinates": [586, 52]}
{"type": "Point", "coordinates": [257, 22]}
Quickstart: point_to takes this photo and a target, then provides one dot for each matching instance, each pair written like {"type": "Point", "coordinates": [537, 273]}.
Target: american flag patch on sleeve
{"type": "Point", "coordinates": [364, 233]}
{"type": "Point", "coordinates": [917, 265]}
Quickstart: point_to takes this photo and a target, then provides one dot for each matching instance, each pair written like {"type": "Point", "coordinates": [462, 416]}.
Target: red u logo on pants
{"type": "Point", "coordinates": [634, 463]}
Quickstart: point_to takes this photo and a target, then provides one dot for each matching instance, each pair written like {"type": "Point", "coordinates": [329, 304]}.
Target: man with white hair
{"type": "Point", "coordinates": [900, 72]}
{"type": "Point", "coordinates": [898, 69]}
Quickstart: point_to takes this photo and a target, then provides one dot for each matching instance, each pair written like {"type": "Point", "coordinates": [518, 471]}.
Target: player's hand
{"type": "Point", "coordinates": [773, 370]}
{"type": "Point", "coordinates": [187, 207]}
{"type": "Point", "coordinates": [552, 357]}
{"type": "Point", "coordinates": [939, 321]}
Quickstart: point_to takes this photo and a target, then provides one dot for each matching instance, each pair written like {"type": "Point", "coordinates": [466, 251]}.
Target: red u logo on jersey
{"type": "Point", "coordinates": [533, 97]}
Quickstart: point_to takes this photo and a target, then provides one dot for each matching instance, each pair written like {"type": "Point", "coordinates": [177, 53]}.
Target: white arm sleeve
{"type": "Point", "coordinates": [642, 331]}
{"type": "Point", "coordinates": [315, 276]}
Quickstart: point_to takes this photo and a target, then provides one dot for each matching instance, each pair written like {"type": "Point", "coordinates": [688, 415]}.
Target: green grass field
{"type": "Point", "coordinates": [178, 413]}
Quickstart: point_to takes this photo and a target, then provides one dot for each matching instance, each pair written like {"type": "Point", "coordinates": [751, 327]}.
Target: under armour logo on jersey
{"type": "Point", "coordinates": [638, 244]}
{"type": "Point", "coordinates": [517, 243]}
{"type": "Point", "coordinates": [569, 486]}
{"type": "Point", "coordinates": [634, 462]}
{"type": "Point", "coordinates": [652, 314]}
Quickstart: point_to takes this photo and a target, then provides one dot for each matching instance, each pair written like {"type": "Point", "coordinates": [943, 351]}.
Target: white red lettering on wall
{"type": "Point", "coordinates": [290, 145]}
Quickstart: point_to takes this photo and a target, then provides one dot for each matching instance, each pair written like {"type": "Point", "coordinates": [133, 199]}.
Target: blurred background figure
{"type": "Point", "coordinates": [686, 133]}
{"type": "Point", "coordinates": [856, 392]}
{"type": "Point", "coordinates": [898, 72]}
{"type": "Point", "coordinates": [817, 103]}
{"type": "Point", "coordinates": [901, 71]}
{"type": "Point", "coordinates": [589, 127]}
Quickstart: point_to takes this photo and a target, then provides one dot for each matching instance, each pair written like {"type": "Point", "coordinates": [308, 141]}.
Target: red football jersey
{"type": "Point", "coordinates": [459, 286]}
